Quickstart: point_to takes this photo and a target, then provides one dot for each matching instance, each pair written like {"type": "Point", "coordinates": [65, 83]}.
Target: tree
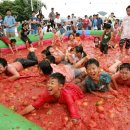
{"type": "Point", "coordinates": [21, 9]}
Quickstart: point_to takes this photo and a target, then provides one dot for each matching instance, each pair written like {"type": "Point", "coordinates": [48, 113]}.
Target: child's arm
{"type": "Point", "coordinates": [14, 72]}
{"type": "Point", "coordinates": [71, 107]}
{"type": "Point", "coordinates": [78, 64]}
{"type": "Point", "coordinates": [44, 97]}
{"type": "Point", "coordinates": [19, 34]}
{"type": "Point", "coordinates": [27, 110]}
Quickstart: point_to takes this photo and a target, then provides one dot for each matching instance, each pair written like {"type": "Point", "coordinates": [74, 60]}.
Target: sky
{"type": "Point", "coordinates": [89, 7]}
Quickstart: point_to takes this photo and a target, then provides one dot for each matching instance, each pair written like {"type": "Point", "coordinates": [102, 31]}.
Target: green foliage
{"type": "Point", "coordinates": [21, 9]}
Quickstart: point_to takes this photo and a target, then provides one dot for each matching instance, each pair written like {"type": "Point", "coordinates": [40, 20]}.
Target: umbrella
{"type": "Point", "coordinates": [102, 13]}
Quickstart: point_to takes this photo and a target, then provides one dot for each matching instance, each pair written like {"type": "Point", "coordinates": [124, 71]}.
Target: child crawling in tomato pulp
{"type": "Point", "coordinates": [58, 91]}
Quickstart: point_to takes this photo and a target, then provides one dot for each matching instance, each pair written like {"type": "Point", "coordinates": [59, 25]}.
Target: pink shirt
{"type": "Point", "coordinates": [66, 70]}
{"type": "Point", "coordinates": [126, 28]}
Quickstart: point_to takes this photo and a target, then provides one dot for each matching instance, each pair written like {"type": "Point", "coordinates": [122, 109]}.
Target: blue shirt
{"type": "Point", "coordinates": [10, 21]}
{"type": "Point", "coordinates": [34, 26]}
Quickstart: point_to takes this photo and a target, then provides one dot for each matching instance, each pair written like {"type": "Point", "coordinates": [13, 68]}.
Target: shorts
{"type": "Point", "coordinates": [10, 34]}
{"type": "Point", "coordinates": [104, 48]}
{"type": "Point", "coordinates": [5, 39]}
{"type": "Point", "coordinates": [25, 39]}
{"type": "Point", "coordinates": [122, 41]}
{"type": "Point", "coordinates": [41, 38]}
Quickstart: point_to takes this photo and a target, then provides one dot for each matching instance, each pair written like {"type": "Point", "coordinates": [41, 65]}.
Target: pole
{"type": "Point", "coordinates": [31, 5]}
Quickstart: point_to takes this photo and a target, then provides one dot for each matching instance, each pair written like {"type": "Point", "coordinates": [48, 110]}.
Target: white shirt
{"type": "Point", "coordinates": [126, 28]}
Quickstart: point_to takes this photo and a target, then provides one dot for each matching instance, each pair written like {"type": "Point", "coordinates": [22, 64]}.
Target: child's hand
{"type": "Point", "coordinates": [75, 121]}
{"type": "Point", "coordinates": [18, 38]}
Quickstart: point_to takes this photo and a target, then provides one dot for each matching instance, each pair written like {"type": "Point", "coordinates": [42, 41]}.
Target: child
{"type": "Point", "coordinates": [58, 54]}
{"type": "Point", "coordinates": [11, 43]}
{"type": "Point", "coordinates": [56, 41]}
{"type": "Point", "coordinates": [106, 38]}
{"type": "Point", "coordinates": [40, 33]}
{"type": "Point", "coordinates": [18, 65]}
{"type": "Point", "coordinates": [83, 36]}
{"type": "Point", "coordinates": [123, 76]}
{"type": "Point", "coordinates": [45, 53]}
{"type": "Point", "coordinates": [58, 91]}
{"type": "Point", "coordinates": [96, 80]}
{"type": "Point", "coordinates": [77, 55]}
{"type": "Point", "coordinates": [46, 67]}
{"type": "Point", "coordinates": [23, 34]}
{"type": "Point", "coordinates": [125, 29]}
{"type": "Point", "coordinates": [72, 42]}
{"type": "Point", "coordinates": [97, 42]}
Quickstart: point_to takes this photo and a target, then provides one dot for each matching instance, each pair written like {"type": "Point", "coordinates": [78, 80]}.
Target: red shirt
{"type": "Point", "coordinates": [68, 95]}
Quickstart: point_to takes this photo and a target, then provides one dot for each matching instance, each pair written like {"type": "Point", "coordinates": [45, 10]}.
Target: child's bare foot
{"type": "Point", "coordinates": [31, 49]}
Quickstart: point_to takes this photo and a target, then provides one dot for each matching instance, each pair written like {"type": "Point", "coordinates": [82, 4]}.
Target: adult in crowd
{"type": "Point", "coordinates": [57, 21]}
{"type": "Point", "coordinates": [68, 22]}
{"type": "Point", "coordinates": [90, 23]}
{"type": "Point", "coordinates": [52, 17]}
{"type": "Point", "coordinates": [34, 23]}
{"type": "Point", "coordinates": [99, 22]}
{"type": "Point", "coordinates": [85, 22]}
{"type": "Point", "coordinates": [9, 23]}
{"type": "Point", "coordinates": [112, 18]}
{"type": "Point", "coordinates": [94, 22]}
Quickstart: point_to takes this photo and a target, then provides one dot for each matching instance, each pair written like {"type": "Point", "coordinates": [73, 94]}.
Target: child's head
{"type": "Point", "coordinates": [39, 26]}
{"type": "Point", "coordinates": [13, 42]}
{"type": "Point", "coordinates": [78, 51]}
{"type": "Point", "coordinates": [50, 49]}
{"type": "Point", "coordinates": [55, 83]}
{"type": "Point", "coordinates": [128, 10]}
{"type": "Point", "coordinates": [92, 68]}
{"type": "Point", "coordinates": [45, 53]}
{"type": "Point", "coordinates": [25, 25]}
{"type": "Point", "coordinates": [45, 67]}
{"type": "Point", "coordinates": [96, 39]}
{"type": "Point", "coordinates": [54, 30]}
{"type": "Point", "coordinates": [51, 59]}
{"type": "Point", "coordinates": [107, 27]}
{"type": "Point", "coordinates": [124, 70]}
{"type": "Point", "coordinates": [71, 36]}
{"type": "Point", "coordinates": [3, 65]}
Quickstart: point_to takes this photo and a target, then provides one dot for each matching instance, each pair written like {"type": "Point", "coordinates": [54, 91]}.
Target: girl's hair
{"type": "Point", "coordinates": [48, 48]}
{"type": "Point", "coordinates": [45, 67]}
{"type": "Point", "coordinates": [24, 24]}
{"type": "Point", "coordinates": [91, 61]}
{"type": "Point", "coordinates": [46, 52]}
{"type": "Point", "coordinates": [70, 35]}
{"type": "Point", "coordinates": [3, 62]}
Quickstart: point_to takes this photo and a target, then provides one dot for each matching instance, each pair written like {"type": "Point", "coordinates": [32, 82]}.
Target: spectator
{"type": "Point", "coordinates": [57, 21]}
{"type": "Point", "coordinates": [52, 17]}
{"type": "Point", "coordinates": [34, 22]}
{"type": "Point", "coordinates": [85, 22]}
{"type": "Point", "coordinates": [99, 22]}
{"type": "Point", "coordinates": [94, 22]}
{"type": "Point", "coordinates": [90, 23]}
{"type": "Point", "coordinates": [9, 23]}
{"type": "Point", "coordinates": [68, 22]}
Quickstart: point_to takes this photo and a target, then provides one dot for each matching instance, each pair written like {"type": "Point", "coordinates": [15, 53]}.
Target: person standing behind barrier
{"type": "Point", "coordinates": [94, 22]}
{"type": "Point", "coordinates": [34, 22]}
{"type": "Point", "coordinates": [90, 23]}
{"type": "Point", "coordinates": [85, 22]}
{"type": "Point", "coordinates": [99, 22]}
{"type": "Point", "coordinates": [68, 22]}
{"type": "Point", "coordinates": [9, 23]}
{"type": "Point", "coordinates": [57, 21]}
{"type": "Point", "coordinates": [52, 17]}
